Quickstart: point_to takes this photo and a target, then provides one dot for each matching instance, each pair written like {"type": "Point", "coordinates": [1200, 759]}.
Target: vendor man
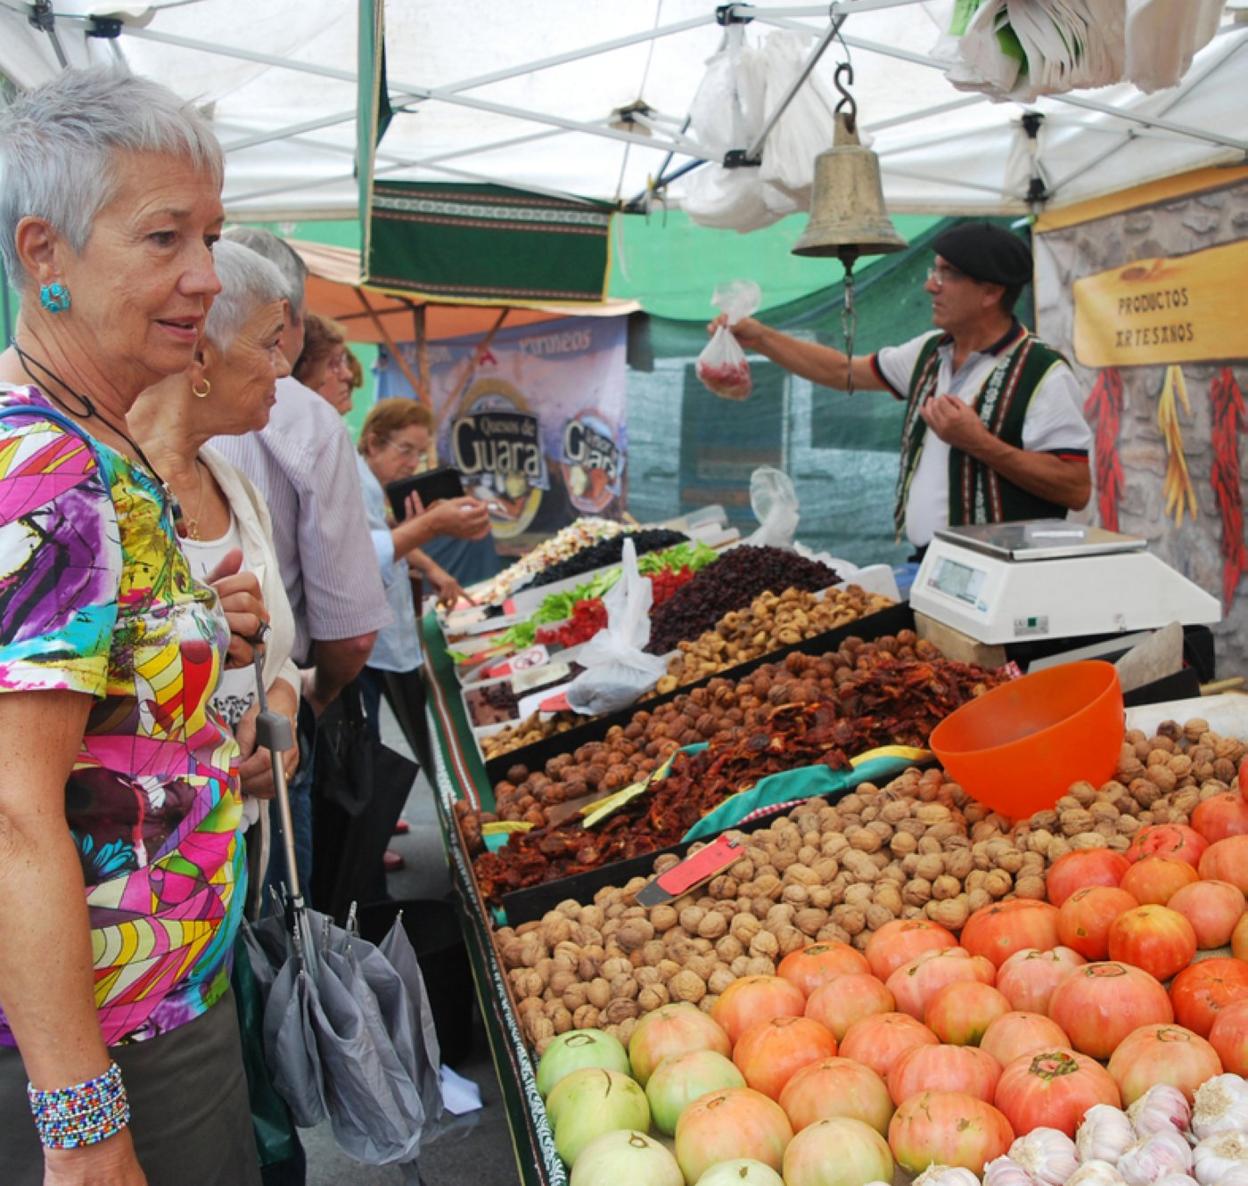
{"type": "Point", "coordinates": [993, 428]}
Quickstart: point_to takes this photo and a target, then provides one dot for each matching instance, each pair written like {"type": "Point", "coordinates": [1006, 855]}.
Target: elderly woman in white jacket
{"type": "Point", "coordinates": [229, 390]}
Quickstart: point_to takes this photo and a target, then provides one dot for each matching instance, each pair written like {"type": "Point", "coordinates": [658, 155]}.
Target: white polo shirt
{"type": "Point", "coordinates": [1054, 421]}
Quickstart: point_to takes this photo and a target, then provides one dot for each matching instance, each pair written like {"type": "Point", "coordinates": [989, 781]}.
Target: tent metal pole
{"type": "Point", "coordinates": [395, 353]}
{"type": "Point", "coordinates": [1149, 121]}
{"type": "Point", "coordinates": [927, 113]}
{"type": "Point", "coordinates": [834, 27]}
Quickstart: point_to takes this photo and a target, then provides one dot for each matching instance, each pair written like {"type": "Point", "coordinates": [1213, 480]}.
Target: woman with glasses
{"type": "Point", "coordinates": [325, 364]}
{"type": "Point", "coordinates": [993, 430]}
{"type": "Point", "coordinates": [395, 436]}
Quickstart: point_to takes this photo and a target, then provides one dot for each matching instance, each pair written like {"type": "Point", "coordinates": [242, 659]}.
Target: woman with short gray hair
{"type": "Point", "coordinates": [119, 850]}
{"type": "Point", "coordinates": [227, 391]}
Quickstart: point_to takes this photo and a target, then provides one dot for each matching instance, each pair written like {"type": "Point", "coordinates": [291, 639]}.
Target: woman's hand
{"type": "Point", "coordinates": [464, 518]}
{"type": "Point", "coordinates": [110, 1163]}
{"type": "Point", "coordinates": [239, 594]}
{"type": "Point", "coordinates": [255, 769]}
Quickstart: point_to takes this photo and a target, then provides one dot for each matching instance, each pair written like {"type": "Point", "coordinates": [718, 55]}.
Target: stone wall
{"type": "Point", "coordinates": [1169, 228]}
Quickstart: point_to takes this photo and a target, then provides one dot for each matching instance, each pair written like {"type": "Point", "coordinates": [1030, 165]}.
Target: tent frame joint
{"type": "Point", "coordinates": [732, 14]}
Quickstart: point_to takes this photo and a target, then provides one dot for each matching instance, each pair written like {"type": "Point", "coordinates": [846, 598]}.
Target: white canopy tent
{"type": "Point", "coordinates": [523, 94]}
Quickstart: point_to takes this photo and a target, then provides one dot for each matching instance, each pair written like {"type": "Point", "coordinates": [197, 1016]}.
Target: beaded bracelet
{"type": "Point", "coordinates": [84, 1114]}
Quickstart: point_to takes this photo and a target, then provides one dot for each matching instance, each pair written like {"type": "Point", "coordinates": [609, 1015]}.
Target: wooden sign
{"type": "Point", "coordinates": [1156, 312]}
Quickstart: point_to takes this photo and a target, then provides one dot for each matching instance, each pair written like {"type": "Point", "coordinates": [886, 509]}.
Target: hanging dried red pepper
{"type": "Point", "coordinates": [1104, 409]}
{"type": "Point", "coordinates": [1227, 402]}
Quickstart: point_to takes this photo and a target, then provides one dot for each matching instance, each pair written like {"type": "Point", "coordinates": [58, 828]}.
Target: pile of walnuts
{"type": "Point", "coordinates": [918, 847]}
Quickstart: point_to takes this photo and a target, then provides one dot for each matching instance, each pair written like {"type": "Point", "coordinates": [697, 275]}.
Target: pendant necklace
{"type": "Point", "coordinates": [89, 411]}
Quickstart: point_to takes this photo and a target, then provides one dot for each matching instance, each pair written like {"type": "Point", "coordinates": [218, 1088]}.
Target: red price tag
{"type": "Point", "coordinates": [693, 870]}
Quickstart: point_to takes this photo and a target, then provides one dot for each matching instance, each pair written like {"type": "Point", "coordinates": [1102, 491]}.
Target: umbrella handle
{"type": "Point", "coordinates": [274, 732]}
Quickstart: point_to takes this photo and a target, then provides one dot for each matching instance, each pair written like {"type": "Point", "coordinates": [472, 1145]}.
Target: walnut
{"type": "Point", "coordinates": [652, 997]}
{"type": "Point", "coordinates": [945, 887]}
{"type": "Point", "coordinates": [621, 1009]}
{"type": "Point", "coordinates": [765, 943]}
{"type": "Point", "coordinates": [951, 913]}
{"type": "Point", "coordinates": [713, 925]}
{"type": "Point", "coordinates": [1030, 887]}
{"type": "Point", "coordinates": [687, 986]}
{"type": "Point", "coordinates": [720, 979]}
{"type": "Point", "coordinates": [998, 883]}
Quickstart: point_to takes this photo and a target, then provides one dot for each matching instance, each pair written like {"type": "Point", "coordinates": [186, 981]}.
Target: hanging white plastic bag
{"type": "Point", "coordinates": [722, 365]}
{"type": "Point", "coordinates": [617, 668]}
{"type": "Point", "coordinates": [1163, 35]}
{"type": "Point", "coordinates": [773, 499]}
{"type": "Point", "coordinates": [804, 129]}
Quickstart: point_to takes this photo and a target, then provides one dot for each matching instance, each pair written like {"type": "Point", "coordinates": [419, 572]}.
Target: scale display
{"type": "Point", "coordinates": [958, 580]}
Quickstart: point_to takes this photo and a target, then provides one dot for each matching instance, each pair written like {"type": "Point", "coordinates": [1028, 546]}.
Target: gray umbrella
{"type": "Point", "coordinates": [348, 1033]}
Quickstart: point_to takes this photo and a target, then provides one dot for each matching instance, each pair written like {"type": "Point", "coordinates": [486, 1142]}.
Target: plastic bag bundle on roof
{"type": "Point", "coordinates": [743, 85]}
{"type": "Point", "coordinates": [1021, 49]}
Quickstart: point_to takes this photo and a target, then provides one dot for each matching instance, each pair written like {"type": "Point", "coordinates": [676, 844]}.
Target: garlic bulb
{"type": "Point", "coordinates": [949, 1175]}
{"type": "Point", "coordinates": [1105, 1134]}
{"type": "Point", "coordinates": [1162, 1153]}
{"type": "Point", "coordinates": [1047, 1154]}
{"type": "Point", "coordinates": [1221, 1106]}
{"type": "Point", "coordinates": [1160, 1108]}
{"type": "Point", "coordinates": [1217, 1156]}
{"type": "Point", "coordinates": [1179, 1180]}
{"type": "Point", "coordinates": [1005, 1171]}
{"type": "Point", "coordinates": [1096, 1172]}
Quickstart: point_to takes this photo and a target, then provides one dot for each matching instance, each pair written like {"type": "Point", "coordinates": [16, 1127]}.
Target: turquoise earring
{"type": "Point", "coordinates": [54, 297]}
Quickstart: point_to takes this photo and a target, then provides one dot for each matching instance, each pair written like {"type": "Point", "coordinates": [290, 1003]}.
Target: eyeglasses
{"type": "Point", "coordinates": [403, 448]}
{"type": "Point", "coordinates": [940, 274]}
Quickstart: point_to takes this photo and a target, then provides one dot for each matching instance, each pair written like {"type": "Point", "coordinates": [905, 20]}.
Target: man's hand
{"type": "Point", "coordinates": [464, 518]}
{"type": "Point", "coordinates": [445, 586]}
{"type": "Point", "coordinates": [239, 594]}
{"type": "Point", "coordinates": [747, 331]}
{"type": "Point", "coordinates": [110, 1163]}
{"type": "Point", "coordinates": [956, 423]}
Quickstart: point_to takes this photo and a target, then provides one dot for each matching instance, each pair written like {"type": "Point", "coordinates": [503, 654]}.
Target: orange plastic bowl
{"type": "Point", "coordinates": [1018, 747]}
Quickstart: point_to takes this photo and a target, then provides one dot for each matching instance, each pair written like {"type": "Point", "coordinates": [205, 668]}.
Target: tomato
{"type": "Point", "coordinates": [1084, 920]}
{"type": "Point", "coordinates": [848, 999]}
{"type": "Point", "coordinates": [999, 930]}
{"type": "Point", "coordinates": [1084, 867]}
{"type": "Point", "coordinates": [838, 1152]}
{"type": "Point", "coordinates": [1221, 816]}
{"type": "Point", "coordinates": [739, 1122]}
{"type": "Point", "coordinates": [898, 942]}
{"type": "Point", "coordinates": [819, 964]}
{"type": "Point", "coordinates": [837, 1087]}
{"type": "Point", "coordinates": [915, 983]}
{"type": "Point", "coordinates": [1029, 977]}
{"type": "Point", "coordinates": [1155, 938]}
{"type": "Point", "coordinates": [1229, 1037]}
{"type": "Point", "coordinates": [1100, 1004]}
{"type": "Point", "coordinates": [948, 1128]}
{"type": "Point", "coordinates": [1168, 840]}
{"type": "Point", "coordinates": [1239, 939]}
{"type": "Point", "coordinates": [879, 1041]}
{"type": "Point", "coordinates": [679, 1080]}
{"type": "Point", "coordinates": [1227, 860]}
{"type": "Point", "coordinates": [960, 1012]}
{"type": "Point", "coordinates": [1213, 908]}
{"type": "Point", "coordinates": [1053, 1089]}
{"type": "Point", "coordinates": [1201, 992]}
{"type": "Point", "coordinates": [675, 1029]}
{"type": "Point", "coordinates": [1155, 880]}
{"type": "Point", "coordinates": [1016, 1034]}
{"type": "Point", "coordinates": [944, 1068]}
{"type": "Point", "coordinates": [1166, 1054]}
{"type": "Point", "coordinates": [769, 1053]}
{"type": "Point", "coordinates": [753, 999]}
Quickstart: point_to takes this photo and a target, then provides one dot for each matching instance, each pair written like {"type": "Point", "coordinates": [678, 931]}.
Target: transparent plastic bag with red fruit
{"type": "Point", "coordinates": [722, 365]}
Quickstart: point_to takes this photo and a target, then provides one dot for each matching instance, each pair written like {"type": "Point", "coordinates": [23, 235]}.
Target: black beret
{"type": "Point", "coordinates": [986, 252]}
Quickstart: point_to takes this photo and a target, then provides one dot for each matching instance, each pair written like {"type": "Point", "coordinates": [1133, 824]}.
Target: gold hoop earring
{"type": "Point", "coordinates": [207, 391]}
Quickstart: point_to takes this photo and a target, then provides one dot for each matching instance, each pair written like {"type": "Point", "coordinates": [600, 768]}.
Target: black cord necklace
{"type": "Point", "coordinates": [90, 412]}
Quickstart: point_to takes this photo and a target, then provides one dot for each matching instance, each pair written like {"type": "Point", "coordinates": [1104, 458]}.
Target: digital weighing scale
{"type": "Point", "coordinates": [1047, 579]}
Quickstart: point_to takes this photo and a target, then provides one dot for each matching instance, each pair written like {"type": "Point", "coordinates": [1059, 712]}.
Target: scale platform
{"type": "Point", "coordinates": [1042, 579]}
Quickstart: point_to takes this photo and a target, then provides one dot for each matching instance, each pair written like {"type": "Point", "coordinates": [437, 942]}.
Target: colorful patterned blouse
{"type": "Point", "coordinates": [96, 597]}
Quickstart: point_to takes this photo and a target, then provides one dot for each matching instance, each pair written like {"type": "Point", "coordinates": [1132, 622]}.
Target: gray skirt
{"type": "Point", "coordinates": [190, 1118]}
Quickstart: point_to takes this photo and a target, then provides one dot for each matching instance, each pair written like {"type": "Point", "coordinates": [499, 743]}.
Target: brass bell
{"type": "Point", "coordinates": [847, 215]}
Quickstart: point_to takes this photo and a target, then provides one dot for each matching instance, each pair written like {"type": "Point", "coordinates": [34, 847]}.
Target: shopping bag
{"type": "Point", "coordinates": [722, 365]}
{"type": "Point", "coordinates": [617, 668]}
{"type": "Point", "coordinates": [773, 499]}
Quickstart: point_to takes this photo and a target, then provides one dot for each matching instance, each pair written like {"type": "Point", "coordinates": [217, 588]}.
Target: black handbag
{"type": "Point", "coordinates": [359, 788]}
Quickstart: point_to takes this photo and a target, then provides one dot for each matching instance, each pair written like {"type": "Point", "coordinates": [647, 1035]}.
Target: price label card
{"type": "Point", "coordinates": [692, 871]}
